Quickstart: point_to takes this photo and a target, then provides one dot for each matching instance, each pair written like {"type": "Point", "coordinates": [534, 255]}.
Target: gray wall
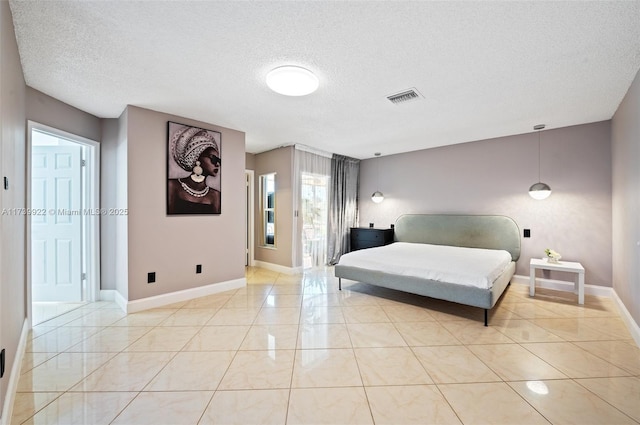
{"type": "Point", "coordinates": [19, 103]}
{"type": "Point", "coordinates": [493, 177]}
{"type": "Point", "coordinates": [171, 246]}
{"type": "Point", "coordinates": [12, 226]}
{"type": "Point", "coordinates": [113, 271]}
{"type": "Point", "coordinates": [279, 161]}
{"type": "Point", "coordinates": [250, 161]}
{"type": "Point", "coordinates": [121, 181]}
{"type": "Point", "coordinates": [46, 110]}
{"type": "Point", "coordinates": [625, 139]}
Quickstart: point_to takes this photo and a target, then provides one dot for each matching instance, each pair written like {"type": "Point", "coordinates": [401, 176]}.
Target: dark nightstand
{"type": "Point", "coordinates": [369, 237]}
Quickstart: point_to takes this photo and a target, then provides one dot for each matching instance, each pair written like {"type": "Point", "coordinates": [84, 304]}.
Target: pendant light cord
{"type": "Point", "coordinates": [378, 175]}
{"type": "Point", "coordinates": [539, 155]}
{"type": "Point", "coordinates": [539, 127]}
{"type": "Point", "coordinates": [377, 155]}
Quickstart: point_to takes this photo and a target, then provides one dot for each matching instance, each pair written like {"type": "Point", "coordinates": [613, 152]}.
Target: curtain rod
{"type": "Point", "coordinates": [306, 148]}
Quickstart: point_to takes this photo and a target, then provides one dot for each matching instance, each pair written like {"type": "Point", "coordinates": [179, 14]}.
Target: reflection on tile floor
{"type": "Point", "coordinates": [295, 350]}
{"type": "Point", "coordinates": [43, 311]}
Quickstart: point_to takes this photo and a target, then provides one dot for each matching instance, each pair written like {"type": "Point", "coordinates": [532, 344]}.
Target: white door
{"type": "Point", "coordinates": [56, 223]}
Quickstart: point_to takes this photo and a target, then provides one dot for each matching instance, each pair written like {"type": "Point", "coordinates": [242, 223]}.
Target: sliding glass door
{"type": "Point", "coordinates": [314, 208]}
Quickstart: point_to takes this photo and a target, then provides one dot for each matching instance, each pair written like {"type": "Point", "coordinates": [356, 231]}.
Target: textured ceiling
{"type": "Point", "coordinates": [485, 69]}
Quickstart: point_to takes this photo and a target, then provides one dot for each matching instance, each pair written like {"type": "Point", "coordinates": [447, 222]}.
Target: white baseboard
{"type": "Point", "coordinates": [633, 327]}
{"type": "Point", "coordinates": [120, 300]}
{"type": "Point", "coordinates": [108, 295]}
{"type": "Point", "coordinates": [277, 267]}
{"type": "Point", "coordinates": [178, 296]}
{"type": "Point", "coordinates": [562, 285]}
{"type": "Point", "coordinates": [12, 386]}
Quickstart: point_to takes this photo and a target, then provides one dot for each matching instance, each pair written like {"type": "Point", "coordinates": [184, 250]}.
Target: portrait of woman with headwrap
{"type": "Point", "coordinates": [193, 170]}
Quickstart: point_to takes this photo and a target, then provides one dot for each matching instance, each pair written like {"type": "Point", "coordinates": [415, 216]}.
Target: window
{"type": "Point", "coordinates": [268, 205]}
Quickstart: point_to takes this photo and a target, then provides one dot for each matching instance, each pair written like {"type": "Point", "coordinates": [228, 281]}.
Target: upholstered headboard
{"type": "Point", "coordinates": [471, 231]}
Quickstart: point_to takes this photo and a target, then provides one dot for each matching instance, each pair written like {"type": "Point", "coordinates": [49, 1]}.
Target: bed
{"type": "Point", "coordinates": [432, 240]}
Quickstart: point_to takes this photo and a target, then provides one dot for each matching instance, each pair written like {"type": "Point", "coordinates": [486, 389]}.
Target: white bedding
{"type": "Point", "coordinates": [464, 266]}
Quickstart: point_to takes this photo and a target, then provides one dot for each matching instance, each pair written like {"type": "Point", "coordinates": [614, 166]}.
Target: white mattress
{"type": "Point", "coordinates": [463, 266]}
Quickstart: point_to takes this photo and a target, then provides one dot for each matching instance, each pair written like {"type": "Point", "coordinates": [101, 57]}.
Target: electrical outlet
{"type": "Point", "coordinates": [151, 277]}
{"type": "Point", "coordinates": [527, 233]}
{"type": "Point", "coordinates": [198, 268]}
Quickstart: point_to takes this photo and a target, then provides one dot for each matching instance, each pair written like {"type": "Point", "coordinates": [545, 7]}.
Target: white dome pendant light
{"type": "Point", "coordinates": [377, 196]}
{"type": "Point", "coordinates": [292, 81]}
{"type": "Point", "coordinates": [539, 190]}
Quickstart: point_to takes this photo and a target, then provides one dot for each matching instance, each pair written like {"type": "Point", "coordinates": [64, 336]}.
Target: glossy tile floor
{"type": "Point", "coordinates": [295, 350]}
{"type": "Point", "coordinates": [43, 311]}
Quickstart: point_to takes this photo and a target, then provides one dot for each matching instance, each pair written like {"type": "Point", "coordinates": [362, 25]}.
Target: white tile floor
{"type": "Point", "coordinates": [295, 350]}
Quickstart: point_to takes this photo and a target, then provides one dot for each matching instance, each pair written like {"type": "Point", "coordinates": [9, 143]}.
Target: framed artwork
{"type": "Point", "coordinates": [193, 170]}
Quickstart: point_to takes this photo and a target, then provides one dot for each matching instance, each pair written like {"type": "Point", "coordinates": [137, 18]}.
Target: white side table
{"type": "Point", "coordinates": [561, 266]}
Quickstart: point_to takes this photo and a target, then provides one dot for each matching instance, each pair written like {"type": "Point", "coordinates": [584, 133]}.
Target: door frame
{"type": "Point", "coordinates": [91, 202]}
{"type": "Point", "coordinates": [250, 211]}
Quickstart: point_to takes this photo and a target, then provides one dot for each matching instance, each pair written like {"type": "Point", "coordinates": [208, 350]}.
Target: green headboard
{"type": "Point", "coordinates": [471, 231]}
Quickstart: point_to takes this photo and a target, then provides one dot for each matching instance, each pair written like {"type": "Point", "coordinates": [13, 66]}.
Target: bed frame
{"type": "Point", "coordinates": [471, 231]}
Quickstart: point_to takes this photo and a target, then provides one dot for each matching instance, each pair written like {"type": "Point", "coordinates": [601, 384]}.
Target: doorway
{"type": "Point", "coordinates": [62, 222]}
{"type": "Point", "coordinates": [315, 207]}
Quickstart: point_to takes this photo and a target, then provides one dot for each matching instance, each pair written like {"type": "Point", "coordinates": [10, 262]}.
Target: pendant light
{"type": "Point", "coordinates": [539, 190]}
{"type": "Point", "coordinates": [377, 196]}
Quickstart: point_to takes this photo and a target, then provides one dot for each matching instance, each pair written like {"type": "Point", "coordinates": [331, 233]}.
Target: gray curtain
{"type": "Point", "coordinates": [343, 205]}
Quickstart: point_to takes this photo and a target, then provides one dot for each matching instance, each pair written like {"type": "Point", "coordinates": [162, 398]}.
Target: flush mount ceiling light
{"type": "Point", "coordinates": [377, 196]}
{"type": "Point", "coordinates": [539, 190]}
{"type": "Point", "coordinates": [292, 81]}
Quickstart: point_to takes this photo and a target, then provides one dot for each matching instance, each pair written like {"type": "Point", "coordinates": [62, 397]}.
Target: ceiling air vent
{"type": "Point", "coordinates": [405, 96]}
